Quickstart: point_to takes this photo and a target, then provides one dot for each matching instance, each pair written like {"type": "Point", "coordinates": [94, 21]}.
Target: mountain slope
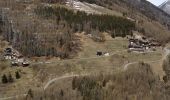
{"type": "Point", "coordinates": [142, 6]}
{"type": "Point", "coordinates": [90, 8]}
{"type": "Point", "coordinates": [34, 22]}
{"type": "Point", "coordinates": [165, 6]}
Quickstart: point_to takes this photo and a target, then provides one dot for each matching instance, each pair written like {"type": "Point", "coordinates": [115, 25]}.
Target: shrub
{"type": "Point", "coordinates": [17, 75]}
{"type": "Point", "coordinates": [4, 79]}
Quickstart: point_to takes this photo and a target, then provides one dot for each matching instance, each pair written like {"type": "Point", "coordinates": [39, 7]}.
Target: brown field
{"type": "Point", "coordinates": [85, 62]}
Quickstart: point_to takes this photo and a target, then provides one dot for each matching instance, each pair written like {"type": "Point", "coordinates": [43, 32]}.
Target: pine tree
{"type": "Point", "coordinates": [61, 93]}
{"type": "Point", "coordinates": [30, 93]}
{"type": "Point", "coordinates": [4, 79]}
{"type": "Point", "coordinates": [10, 78]}
{"type": "Point", "coordinates": [17, 75]}
{"type": "Point", "coordinates": [74, 83]}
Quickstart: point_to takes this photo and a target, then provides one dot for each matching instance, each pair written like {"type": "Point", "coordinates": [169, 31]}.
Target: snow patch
{"type": "Point", "coordinates": [83, 6]}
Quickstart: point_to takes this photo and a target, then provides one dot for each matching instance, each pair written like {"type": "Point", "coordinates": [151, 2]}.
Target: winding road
{"type": "Point", "coordinates": [59, 78]}
{"type": "Point", "coordinates": [166, 53]}
{"type": "Point", "coordinates": [62, 77]}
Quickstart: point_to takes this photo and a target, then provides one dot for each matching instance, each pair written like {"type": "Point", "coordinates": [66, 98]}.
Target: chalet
{"type": "Point", "coordinates": [25, 64]}
{"type": "Point", "coordinates": [7, 57]}
{"type": "Point", "coordinates": [15, 57]}
{"type": "Point", "coordinates": [134, 45]}
{"type": "Point", "coordinates": [133, 40]}
{"type": "Point", "coordinates": [142, 42]}
{"type": "Point", "coordinates": [106, 54]}
{"type": "Point", "coordinates": [155, 44]}
{"type": "Point", "coordinates": [99, 53]}
{"type": "Point", "coordinates": [138, 44]}
{"type": "Point", "coordinates": [8, 50]}
{"type": "Point", "coordinates": [20, 60]}
{"type": "Point", "coordinates": [14, 63]}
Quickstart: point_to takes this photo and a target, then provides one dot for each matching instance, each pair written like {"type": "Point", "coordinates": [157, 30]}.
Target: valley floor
{"type": "Point", "coordinates": [44, 72]}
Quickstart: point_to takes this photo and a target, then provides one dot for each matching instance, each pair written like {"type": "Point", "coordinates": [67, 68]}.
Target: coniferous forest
{"type": "Point", "coordinates": [63, 42]}
{"type": "Point", "coordinates": [79, 21]}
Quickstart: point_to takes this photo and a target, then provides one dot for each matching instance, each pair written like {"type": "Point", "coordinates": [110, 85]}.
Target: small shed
{"type": "Point", "coordinates": [8, 50]}
{"type": "Point", "coordinates": [25, 64]}
{"type": "Point", "coordinates": [99, 53]}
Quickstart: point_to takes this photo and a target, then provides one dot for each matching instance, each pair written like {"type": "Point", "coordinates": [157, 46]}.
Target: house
{"type": "Point", "coordinates": [14, 57]}
{"type": "Point", "coordinates": [133, 40]}
{"type": "Point", "coordinates": [25, 64]}
{"type": "Point", "coordinates": [99, 53]}
{"type": "Point", "coordinates": [106, 54]}
{"type": "Point", "coordinates": [7, 57]}
{"type": "Point", "coordinates": [8, 50]}
{"type": "Point", "coordinates": [20, 60]}
{"type": "Point", "coordinates": [154, 44]}
{"type": "Point", "coordinates": [143, 42]}
{"type": "Point", "coordinates": [14, 63]}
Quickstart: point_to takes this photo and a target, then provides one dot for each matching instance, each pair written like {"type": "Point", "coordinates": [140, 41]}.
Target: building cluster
{"type": "Point", "coordinates": [15, 57]}
{"type": "Point", "coordinates": [142, 44]}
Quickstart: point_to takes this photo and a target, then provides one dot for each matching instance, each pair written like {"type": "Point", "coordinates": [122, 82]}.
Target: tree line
{"type": "Point", "coordinates": [63, 42]}
{"type": "Point", "coordinates": [80, 21]}
{"type": "Point", "coordinates": [9, 79]}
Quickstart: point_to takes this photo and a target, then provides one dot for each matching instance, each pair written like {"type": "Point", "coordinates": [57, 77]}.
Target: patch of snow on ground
{"type": "Point", "coordinates": [82, 6]}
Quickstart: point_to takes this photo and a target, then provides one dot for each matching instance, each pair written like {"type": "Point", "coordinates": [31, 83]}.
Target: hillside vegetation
{"type": "Point", "coordinates": [62, 26]}
{"type": "Point", "coordinates": [80, 21]}
{"type": "Point", "coordinates": [143, 6]}
{"type": "Point", "coordinates": [137, 83]}
{"type": "Point", "coordinates": [151, 21]}
{"type": "Point", "coordinates": [34, 21]}
{"type": "Point", "coordinates": [58, 42]}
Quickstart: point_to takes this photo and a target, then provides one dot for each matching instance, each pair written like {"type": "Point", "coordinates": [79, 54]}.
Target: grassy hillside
{"type": "Point", "coordinates": [62, 42]}
{"type": "Point", "coordinates": [151, 21]}
{"type": "Point", "coordinates": [138, 82]}
{"type": "Point", "coordinates": [34, 21]}
{"type": "Point", "coordinates": [62, 24]}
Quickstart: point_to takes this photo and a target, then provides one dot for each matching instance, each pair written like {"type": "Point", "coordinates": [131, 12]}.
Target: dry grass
{"type": "Point", "coordinates": [97, 65]}
{"type": "Point", "coordinates": [110, 45]}
{"type": "Point", "coordinates": [19, 85]}
{"type": "Point", "coordinates": [44, 72]}
{"type": "Point", "coordinates": [137, 83]}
